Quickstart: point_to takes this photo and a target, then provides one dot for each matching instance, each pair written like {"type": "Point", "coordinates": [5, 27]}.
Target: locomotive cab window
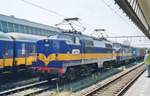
{"type": "Point", "coordinates": [68, 38]}
{"type": "Point", "coordinates": [77, 41]}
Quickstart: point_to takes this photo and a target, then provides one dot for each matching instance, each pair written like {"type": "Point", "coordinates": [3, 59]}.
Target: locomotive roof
{"type": "Point", "coordinates": [25, 37]}
{"type": "Point", "coordinates": [123, 45]}
{"type": "Point", "coordinates": [85, 36]}
{"type": "Point", "coordinates": [4, 36]}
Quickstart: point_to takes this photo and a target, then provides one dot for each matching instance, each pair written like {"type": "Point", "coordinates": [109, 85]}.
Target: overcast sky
{"type": "Point", "coordinates": [93, 14]}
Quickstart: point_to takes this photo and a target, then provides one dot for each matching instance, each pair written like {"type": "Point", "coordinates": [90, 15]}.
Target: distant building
{"type": "Point", "coordinates": [13, 24]}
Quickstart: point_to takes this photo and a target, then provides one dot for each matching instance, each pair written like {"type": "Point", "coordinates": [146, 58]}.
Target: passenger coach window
{"type": "Point", "coordinates": [5, 49]}
{"type": "Point", "coordinates": [23, 49]}
{"type": "Point", "coordinates": [32, 49]}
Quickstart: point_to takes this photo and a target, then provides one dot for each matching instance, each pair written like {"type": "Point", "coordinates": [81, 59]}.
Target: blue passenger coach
{"type": "Point", "coordinates": [6, 52]}
{"type": "Point", "coordinates": [24, 48]}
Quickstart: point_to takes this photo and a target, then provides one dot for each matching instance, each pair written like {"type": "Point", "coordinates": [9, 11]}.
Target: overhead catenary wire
{"type": "Point", "coordinates": [51, 11]}
{"type": "Point", "coordinates": [61, 15]}
{"type": "Point", "coordinates": [58, 14]}
{"type": "Point", "coordinates": [117, 14]}
{"type": "Point", "coordinates": [48, 10]}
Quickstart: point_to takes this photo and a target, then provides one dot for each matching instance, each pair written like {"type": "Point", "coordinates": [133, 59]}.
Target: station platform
{"type": "Point", "coordinates": [141, 87]}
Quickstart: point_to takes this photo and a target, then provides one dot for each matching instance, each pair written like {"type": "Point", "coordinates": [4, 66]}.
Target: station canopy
{"type": "Point", "coordinates": [139, 12]}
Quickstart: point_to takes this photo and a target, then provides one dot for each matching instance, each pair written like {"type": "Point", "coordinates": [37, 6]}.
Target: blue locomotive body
{"type": "Point", "coordinates": [125, 54]}
{"type": "Point", "coordinates": [66, 51]}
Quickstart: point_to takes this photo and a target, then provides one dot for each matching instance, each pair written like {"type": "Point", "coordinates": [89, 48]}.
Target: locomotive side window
{"type": "Point", "coordinates": [23, 49]}
{"type": "Point", "coordinates": [108, 45]}
{"type": "Point", "coordinates": [88, 43]}
{"type": "Point", "coordinates": [99, 44]}
{"type": "Point", "coordinates": [116, 45]}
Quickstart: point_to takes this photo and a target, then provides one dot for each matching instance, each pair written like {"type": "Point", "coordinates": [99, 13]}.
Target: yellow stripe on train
{"type": "Point", "coordinates": [96, 56]}
{"type": "Point", "coordinates": [1, 63]}
{"type": "Point", "coordinates": [124, 54]}
{"type": "Point", "coordinates": [66, 57]}
{"type": "Point", "coordinates": [7, 62]}
{"type": "Point", "coordinates": [45, 59]}
{"type": "Point", "coordinates": [31, 59]}
{"type": "Point", "coordinates": [25, 61]}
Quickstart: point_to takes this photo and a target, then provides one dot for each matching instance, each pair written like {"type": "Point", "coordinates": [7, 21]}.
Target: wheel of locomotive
{"type": "Point", "coordinates": [33, 73]}
{"type": "Point", "coordinates": [70, 74]}
{"type": "Point", "coordinates": [43, 76]}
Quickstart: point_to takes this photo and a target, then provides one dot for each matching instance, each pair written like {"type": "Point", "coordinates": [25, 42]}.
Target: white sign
{"type": "Point", "coordinates": [75, 51]}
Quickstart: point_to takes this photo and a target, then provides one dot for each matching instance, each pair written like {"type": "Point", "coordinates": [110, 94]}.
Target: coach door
{"type": "Point", "coordinates": [23, 54]}
{"type": "Point", "coordinates": [6, 56]}
{"type": "Point", "coordinates": [31, 56]}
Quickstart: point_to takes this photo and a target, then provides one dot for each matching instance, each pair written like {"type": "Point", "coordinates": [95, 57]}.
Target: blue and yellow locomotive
{"type": "Point", "coordinates": [72, 53]}
{"type": "Point", "coordinates": [123, 53]}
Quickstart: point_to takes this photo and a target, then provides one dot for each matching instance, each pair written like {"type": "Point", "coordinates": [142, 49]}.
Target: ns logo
{"type": "Point", "coordinates": [75, 51]}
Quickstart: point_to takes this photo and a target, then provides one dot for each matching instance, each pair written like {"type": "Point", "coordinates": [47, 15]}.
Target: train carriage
{"type": "Point", "coordinates": [136, 53]}
{"type": "Point", "coordinates": [6, 52]}
{"type": "Point", "coordinates": [124, 53]}
{"type": "Point", "coordinates": [24, 49]}
{"type": "Point", "coordinates": [142, 53]}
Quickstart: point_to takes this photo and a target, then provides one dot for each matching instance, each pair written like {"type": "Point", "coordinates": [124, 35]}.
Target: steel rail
{"type": "Point", "coordinates": [10, 91]}
{"type": "Point", "coordinates": [95, 90]}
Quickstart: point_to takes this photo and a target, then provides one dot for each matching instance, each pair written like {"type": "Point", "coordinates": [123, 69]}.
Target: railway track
{"type": "Point", "coordinates": [115, 86]}
{"type": "Point", "coordinates": [27, 90]}
{"type": "Point", "coordinates": [42, 86]}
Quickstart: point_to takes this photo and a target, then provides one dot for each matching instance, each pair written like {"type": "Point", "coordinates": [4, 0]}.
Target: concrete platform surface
{"type": "Point", "coordinates": [141, 87]}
